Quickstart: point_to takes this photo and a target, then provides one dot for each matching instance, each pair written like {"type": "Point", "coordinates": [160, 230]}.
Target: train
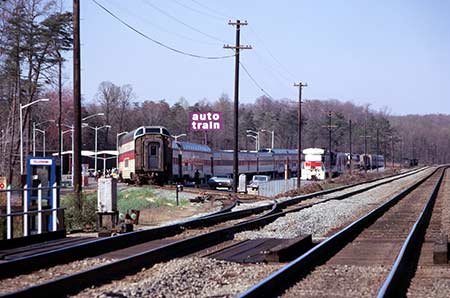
{"type": "Point", "coordinates": [149, 154]}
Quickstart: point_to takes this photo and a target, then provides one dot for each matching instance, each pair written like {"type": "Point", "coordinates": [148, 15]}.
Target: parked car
{"type": "Point", "coordinates": [220, 181]}
{"type": "Point", "coordinates": [257, 180]}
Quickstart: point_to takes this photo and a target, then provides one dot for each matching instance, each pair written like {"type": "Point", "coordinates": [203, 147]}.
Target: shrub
{"type": "Point", "coordinates": [76, 219]}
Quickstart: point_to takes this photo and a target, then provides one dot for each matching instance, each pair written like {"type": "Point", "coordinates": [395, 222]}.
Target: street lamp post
{"type": "Point", "coordinates": [179, 136]}
{"type": "Point", "coordinates": [35, 125]}
{"type": "Point", "coordinates": [93, 115]}
{"type": "Point", "coordinates": [62, 145]}
{"type": "Point", "coordinates": [21, 130]}
{"type": "Point", "coordinates": [43, 135]}
{"type": "Point", "coordinates": [256, 141]}
{"type": "Point", "coordinates": [272, 132]}
{"type": "Point", "coordinates": [96, 133]}
{"type": "Point", "coordinates": [117, 146]}
{"type": "Point", "coordinates": [255, 136]}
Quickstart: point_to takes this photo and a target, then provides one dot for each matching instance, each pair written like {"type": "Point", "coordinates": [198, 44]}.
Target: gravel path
{"type": "Point", "coordinates": [43, 275]}
{"type": "Point", "coordinates": [320, 219]}
{"type": "Point", "coordinates": [186, 277]}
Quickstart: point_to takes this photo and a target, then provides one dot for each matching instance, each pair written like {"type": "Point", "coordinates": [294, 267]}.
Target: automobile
{"type": "Point", "coordinates": [220, 181]}
{"type": "Point", "coordinates": [257, 180]}
{"type": "Point", "coordinates": [91, 172]}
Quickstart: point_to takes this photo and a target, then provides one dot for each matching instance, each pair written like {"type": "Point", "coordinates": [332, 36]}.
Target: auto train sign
{"type": "Point", "coordinates": [205, 120]}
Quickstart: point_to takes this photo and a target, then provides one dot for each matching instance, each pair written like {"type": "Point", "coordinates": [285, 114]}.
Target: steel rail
{"type": "Point", "coordinates": [283, 278]}
{"type": "Point", "coordinates": [396, 283]}
{"type": "Point", "coordinates": [99, 246]}
{"type": "Point", "coordinates": [98, 275]}
{"type": "Point", "coordinates": [104, 273]}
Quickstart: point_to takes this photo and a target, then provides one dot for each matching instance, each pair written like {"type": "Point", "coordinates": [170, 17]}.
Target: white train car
{"type": "Point", "coordinates": [189, 158]}
{"type": "Point", "coordinates": [313, 167]}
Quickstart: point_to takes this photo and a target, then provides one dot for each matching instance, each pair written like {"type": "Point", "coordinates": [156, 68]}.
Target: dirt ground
{"type": "Point", "coordinates": [166, 214]}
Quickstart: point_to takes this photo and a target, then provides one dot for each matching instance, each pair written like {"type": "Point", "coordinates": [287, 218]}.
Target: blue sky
{"type": "Point", "coordinates": [393, 54]}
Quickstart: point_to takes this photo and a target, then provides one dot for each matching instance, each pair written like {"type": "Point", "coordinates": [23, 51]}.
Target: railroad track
{"type": "Point", "coordinates": [45, 257]}
{"type": "Point", "coordinates": [161, 252]}
{"type": "Point", "coordinates": [366, 257]}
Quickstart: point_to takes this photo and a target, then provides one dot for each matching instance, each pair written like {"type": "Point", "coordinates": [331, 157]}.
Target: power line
{"type": "Point", "coordinates": [161, 28]}
{"type": "Point", "coordinates": [181, 22]}
{"type": "Point", "coordinates": [211, 10]}
{"type": "Point", "coordinates": [199, 11]}
{"type": "Point", "coordinates": [270, 53]}
{"type": "Point", "coordinates": [156, 41]}
{"type": "Point", "coordinates": [254, 81]}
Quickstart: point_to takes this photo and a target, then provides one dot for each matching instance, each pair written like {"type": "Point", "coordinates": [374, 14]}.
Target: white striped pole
{"type": "Point", "coordinates": [54, 206]}
{"type": "Point", "coordinates": [25, 211]}
{"type": "Point", "coordinates": [39, 208]}
{"type": "Point", "coordinates": [8, 211]}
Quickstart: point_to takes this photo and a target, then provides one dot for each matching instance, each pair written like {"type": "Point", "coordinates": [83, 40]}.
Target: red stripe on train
{"type": "Point", "coordinates": [126, 155]}
{"type": "Point", "coordinates": [313, 163]}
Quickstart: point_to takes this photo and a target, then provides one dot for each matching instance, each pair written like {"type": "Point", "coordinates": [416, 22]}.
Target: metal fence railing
{"type": "Point", "coordinates": [275, 187]}
{"type": "Point", "coordinates": [34, 215]}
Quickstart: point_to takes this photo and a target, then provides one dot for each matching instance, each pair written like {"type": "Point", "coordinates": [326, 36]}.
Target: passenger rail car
{"type": "Point", "coordinates": [145, 155]}
{"type": "Point", "coordinates": [149, 154]}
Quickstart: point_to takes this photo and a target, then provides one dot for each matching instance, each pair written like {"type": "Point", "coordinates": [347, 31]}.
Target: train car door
{"type": "Point", "coordinates": [153, 156]}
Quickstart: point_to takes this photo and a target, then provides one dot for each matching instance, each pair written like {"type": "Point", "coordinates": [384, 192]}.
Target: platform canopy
{"type": "Point", "coordinates": [89, 153]}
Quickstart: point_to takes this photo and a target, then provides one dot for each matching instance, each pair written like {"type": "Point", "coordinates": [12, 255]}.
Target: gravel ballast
{"type": "Point", "coordinates": [43, 275]}
{"type": "Point", "coordinates": [320, 219]}
{"type": "Point", "coordinates": [186, 277]}
{"type": "Point", "coordinates": [334, 279]}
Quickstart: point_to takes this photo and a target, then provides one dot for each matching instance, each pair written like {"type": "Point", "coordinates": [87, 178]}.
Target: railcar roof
{"type": "Point", "coordinates": [191, 146]}
{"type": "Point", "coordinates": [145, 130]}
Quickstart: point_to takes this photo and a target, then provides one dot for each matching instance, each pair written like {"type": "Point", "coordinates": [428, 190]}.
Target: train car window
{"type": "Point", "coordinates": [152, 130]}
{"type": "Point", "coordinates": [165, 132]}
{"type": "Point", "coordinates": [140, 132]}
{"type": "Point", "coordinates": [126, 163]}
{"type": "Point", "coordinates": [152, 150]}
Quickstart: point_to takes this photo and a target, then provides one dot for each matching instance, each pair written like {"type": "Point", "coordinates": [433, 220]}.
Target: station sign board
{"type": "Point", "coordinates": [41, 162]}
{"type": "Point", "coordinates": [205, 121]}
{"type": "Point", "coordinates": [3, 186]}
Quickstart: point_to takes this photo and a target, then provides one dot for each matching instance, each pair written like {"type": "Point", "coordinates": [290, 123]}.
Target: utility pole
{"type": "Point", "coordinates": [329, 127]}
{"type": "Point", "coordinates": [299, 123]}
{"type": "Point", "coordinates": [392, 151]}
{"type": "Point", "coordinates": [237, 48]}
{"type": "Point", "coordinates": [77, 103]}
{"type": "Point", "coordinates": [378, 148]}
{"type": "Point", "coordinates": [385, 152]}
{"type": "Point", "coordinates": [401, 153]}
{"type": "Point", "coordinates": [60, 108]}
{"type": "Point", "coordinates": [350, 143]}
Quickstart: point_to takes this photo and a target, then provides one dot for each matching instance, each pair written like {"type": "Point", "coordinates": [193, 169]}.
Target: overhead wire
{"type": "Point", "coordinates": [181, 22]}
{"type": "Point", "coordinates": [211, 10]}
{"type": "Point", "coordinates": [267, 65]}
{"type": "Point", "coordinates": [270, 53]}
{"type": "Point", "coordinates": [221, 19]}
{"type": "Point", "coordinates": [156, 41]}
{"type": "Point", "coordinates": [254, 81]}
{"type": "Point", "coordinates": [147, 21]}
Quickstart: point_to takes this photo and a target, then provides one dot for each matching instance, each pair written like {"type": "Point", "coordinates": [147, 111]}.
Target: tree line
{"type": "Point", "coordinates": [35, 34]}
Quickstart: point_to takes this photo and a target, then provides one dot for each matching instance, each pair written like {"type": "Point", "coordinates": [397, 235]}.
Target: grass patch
{"type": "Point", "coordinates": [138, 198]}
{"type": "Point", "coordinates": [76, 219]}
{"type": "Point", "coordinates": [134, 198]}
